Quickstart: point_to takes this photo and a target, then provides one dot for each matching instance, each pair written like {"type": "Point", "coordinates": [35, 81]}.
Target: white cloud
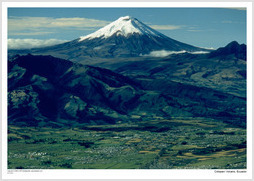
{"type": "Point", "coordinates": [165, 27]}
{"type": "Point", "coordinates": [194, 30]}
{"type": "Point", "coordinates": [231, 22]}
{"type": "Point", "coordinates": [199, 52]}
{"type": "Point", "coordinates": [209, 48]}
{"type": "Point", "coordinates": [39, 24]}
{"type": "Point", "coordinates": [164, 53]}
{"type": "Point", "coordinates": [32, 43]}
{"type": "Point", "coordinates": [30, 33]}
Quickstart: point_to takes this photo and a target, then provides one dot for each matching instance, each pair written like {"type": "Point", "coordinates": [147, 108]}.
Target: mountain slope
{"type": "Point", "coordinates": [125, 37]}
{"type": "Point", "coordinates": [47, 91]}
{"type": "Point", "coordinates": [223, 69]}
{"type": "Point", "coordinates": [233, 48]}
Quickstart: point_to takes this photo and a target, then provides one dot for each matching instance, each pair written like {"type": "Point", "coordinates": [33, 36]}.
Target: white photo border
{"type": "Point", "coordinates": [128, 173]}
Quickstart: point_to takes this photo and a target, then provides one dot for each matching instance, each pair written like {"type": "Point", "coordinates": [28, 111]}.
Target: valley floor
{"type": "Point", "coordinates": [155, 144]}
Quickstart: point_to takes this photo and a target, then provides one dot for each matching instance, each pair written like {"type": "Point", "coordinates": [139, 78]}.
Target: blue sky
{"type": "Point", "coordinates": [203, 27]}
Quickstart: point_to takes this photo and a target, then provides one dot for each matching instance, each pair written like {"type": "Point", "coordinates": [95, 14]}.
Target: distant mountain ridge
{"type": "Point", "coordinates": [223, 69]}
{"type": "Point", "coordinates": [239, 51]}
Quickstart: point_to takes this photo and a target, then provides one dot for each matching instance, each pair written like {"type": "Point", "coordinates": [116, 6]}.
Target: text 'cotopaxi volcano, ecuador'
{"type": "Point", "coordinates": [125, 37]}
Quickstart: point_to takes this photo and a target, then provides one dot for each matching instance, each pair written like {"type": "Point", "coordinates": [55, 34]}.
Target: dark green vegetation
{"type": "Point", "coordinates": [182, 111]}
{"type": "Point", "coordinates": [46, 91]}
{"type": "Point", "coordinates": [223, 70]}
{"type": "Point", "coordinates": [170, 144]}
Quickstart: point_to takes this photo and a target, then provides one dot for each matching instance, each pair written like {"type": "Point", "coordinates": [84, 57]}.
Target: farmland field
{"type": "Point", "coordinates": [154, 144]}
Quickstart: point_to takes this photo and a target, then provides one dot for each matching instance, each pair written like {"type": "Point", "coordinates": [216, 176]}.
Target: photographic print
{"type": "Point", "coordinates": [127, 88]}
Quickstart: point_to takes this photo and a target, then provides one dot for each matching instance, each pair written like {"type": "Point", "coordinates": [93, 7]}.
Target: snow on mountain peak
{"type": "Point", "coordinates": [125, 18]}
{"type": "Point", "coordinates": [123, 26]}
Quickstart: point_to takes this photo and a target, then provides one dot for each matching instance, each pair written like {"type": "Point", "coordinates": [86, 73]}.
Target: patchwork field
{"type": "Point", "coordinates": [154, 144]}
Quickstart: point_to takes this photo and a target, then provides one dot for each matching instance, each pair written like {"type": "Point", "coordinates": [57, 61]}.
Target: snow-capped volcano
{"type": "Point", "coordinates": [124, 26]}
{"type": "Point", "coordinates": [125, 37]}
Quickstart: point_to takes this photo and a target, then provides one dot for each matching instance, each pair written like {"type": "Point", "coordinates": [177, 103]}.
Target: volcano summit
{"type": "Point", "coordinates": [125, 37]}
{"type": "Point", "coordinates": [124, 26]}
